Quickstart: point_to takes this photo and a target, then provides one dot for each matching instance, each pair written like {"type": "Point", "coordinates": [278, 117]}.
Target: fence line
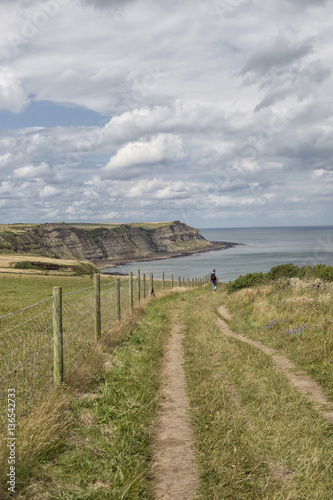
{"type": "Point", "coordinates": [38, 351]}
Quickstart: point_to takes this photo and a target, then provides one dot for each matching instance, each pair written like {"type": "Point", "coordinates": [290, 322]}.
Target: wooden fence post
{"type": "Point", "coordinates": [171, 280]}
{"type": "Point", "coordinates": [178, 280]}
{"type": "Point", "coordinates": [98, 323]}
{"type": "Point", "coordinates": [151, 284]}
{"type": "Point", "coordinates": [139, 283]}
{"type": "Point", "coordinates": [144, 285]}
{"type": "Point", "coordinates": [130, 291]}
{"type": "Point", "coordinates": [58, 370]}
{"type": "Point", "coordinates": [118, 300]}
{"type": "Point", "coordinates": [188, 282]}
{"type": "Point", "coordinates": [162, 281]}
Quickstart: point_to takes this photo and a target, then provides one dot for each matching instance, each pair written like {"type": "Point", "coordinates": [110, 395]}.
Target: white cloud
{"type": "Point", "coordinates": [147, 151]}
{"type": "Point", "coordinates": [48, 191]}
{"type": "Point", "coordinates": [32, 171]}
{"type": "Point", "coordinates": [6, 187]}
{"type": "Point", "coordinates": [5, 159]}
{"type": "Point", "coordinates": [12, 95]}
{"type": "Point", "coordinates": [232, 201]}
{"type": "Point", "coordinates": [215, 109]}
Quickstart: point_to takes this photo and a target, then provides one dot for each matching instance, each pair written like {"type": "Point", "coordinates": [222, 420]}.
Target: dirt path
{"type": "Point", "coordinates": [299, 379]}
{"type": "Point", "coordinates": [174, 467]}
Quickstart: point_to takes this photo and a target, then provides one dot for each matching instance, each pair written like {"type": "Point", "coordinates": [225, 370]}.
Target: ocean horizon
{"type": "Point", "coordinates": [258, 249]}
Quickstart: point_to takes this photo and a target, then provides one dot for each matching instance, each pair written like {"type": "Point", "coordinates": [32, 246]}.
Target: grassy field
{"type": "Point", "coordinates": [256, 437]}
{"type": "Point", "coordinates": [26, 328]}
{"type": "Point", "coordinates": [96, 438]}
{"type": "Point", "coordinates": [21, 290]}
{"type": "Point", "coordinates": [17, 228]}
{"type": "Point", "coordinates": [109, 225]}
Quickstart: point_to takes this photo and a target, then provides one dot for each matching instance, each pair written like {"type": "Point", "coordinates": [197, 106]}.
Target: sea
{"type": "Point", "coordinates": [258, 249]}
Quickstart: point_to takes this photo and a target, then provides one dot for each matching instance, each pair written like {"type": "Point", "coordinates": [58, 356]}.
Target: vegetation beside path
{"type": "Point", "coordinates": [91, 439]}
{"type": "Point", "coordinates": [256, 437]}
{"type": "Point", "coordinates": [295, 317]}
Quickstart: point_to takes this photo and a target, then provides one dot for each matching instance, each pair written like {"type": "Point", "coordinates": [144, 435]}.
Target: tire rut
{"type": "Point", "coordinates": [302, 382]}
{"type": "Point", "coordinates": [174, 465]}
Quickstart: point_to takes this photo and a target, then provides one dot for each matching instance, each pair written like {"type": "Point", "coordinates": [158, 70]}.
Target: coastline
{"type": "Point", "coordinates": [216, 245]}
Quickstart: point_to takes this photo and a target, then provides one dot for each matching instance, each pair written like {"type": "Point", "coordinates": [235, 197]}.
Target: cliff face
{"type": "Point", "coordinates": [104, 245]}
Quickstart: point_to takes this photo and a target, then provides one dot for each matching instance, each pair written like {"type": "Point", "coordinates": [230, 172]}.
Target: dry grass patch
{"type": "Point", "coordinates": [38, 436]}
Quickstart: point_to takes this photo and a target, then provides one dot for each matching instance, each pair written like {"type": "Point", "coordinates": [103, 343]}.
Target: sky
{"type": "Point", "coordinates": [217, 113]}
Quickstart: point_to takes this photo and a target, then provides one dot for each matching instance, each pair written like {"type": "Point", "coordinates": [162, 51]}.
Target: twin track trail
{"type": "Point", "coordinates": [174, 464]}
{"type": "Point", "coordinates": [298, 378]}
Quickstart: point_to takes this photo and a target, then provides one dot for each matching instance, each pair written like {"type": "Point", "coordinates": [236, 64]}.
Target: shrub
{"type": "Point", "coordinates": [26, 265]}
{"type": "Point", "coordinates": [85, 268]}
{"type": "Point", "coordinates": [284, 271]}
{"type": "Point", "coordinates": [323, 272]}
{"type": "Point", "coordinates": [246, 281]}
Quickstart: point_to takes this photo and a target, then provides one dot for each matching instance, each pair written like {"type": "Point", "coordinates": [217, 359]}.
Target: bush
{"type": "Point", "coordinates": [323, 272]}
{"type": "Point", "coordinates": [246, 281]}
{"type": "Point", "coordinates": [284, 271]}
{"type": "Point", "coordinates": [26, 265]}
{"type": "Point", "coordinates": [85, 268]}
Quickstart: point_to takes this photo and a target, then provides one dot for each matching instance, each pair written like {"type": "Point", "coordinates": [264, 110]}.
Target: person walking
{"type": "Point", "coordinates": [213, 279]}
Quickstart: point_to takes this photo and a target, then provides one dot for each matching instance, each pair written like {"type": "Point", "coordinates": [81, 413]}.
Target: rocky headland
{"type": "Point", "coordinates": [106, 245]}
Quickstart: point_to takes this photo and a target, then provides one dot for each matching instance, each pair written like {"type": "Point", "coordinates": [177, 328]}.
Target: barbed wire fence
{"type": "Point", "coordinates": [40, 342]}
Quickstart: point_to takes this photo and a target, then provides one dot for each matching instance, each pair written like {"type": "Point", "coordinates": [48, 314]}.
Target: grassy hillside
{"type": "Point", "coordinates": [256, 436]}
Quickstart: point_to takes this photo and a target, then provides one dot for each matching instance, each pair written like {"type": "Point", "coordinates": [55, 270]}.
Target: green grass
{"type": "Point", "coordinates": [256, 436]}
{"type": "Point", "coordinates": [18, 291]}
{"type": "Point", "coordinates": [106, 450]}
{"type": "Point", "coordinates": [296, 320]}
{"type": "Point", "coordinates": [26, 347]}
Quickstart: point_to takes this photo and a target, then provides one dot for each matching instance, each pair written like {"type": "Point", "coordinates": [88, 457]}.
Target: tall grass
{"type": "Point", "coordinates": [100, 447]}
{"type": "Point", "coordinates": [298, 320]}
{"type": "Point", "coordinates": [256, 436]}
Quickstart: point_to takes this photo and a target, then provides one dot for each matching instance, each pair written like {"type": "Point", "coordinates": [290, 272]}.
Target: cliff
{"type": "Point", "coordinates": [105, 244]}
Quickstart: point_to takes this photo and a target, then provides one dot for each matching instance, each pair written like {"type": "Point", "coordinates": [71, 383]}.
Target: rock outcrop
{"type": "Point", "coordinates": [105, 245]}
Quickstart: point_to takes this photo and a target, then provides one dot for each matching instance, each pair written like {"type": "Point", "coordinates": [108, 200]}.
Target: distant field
{"type": "Point", "coordinates": [37, 264]}
{"type": "Point", "coordinates": [6, 260]}
{"type": "Point", "coordinates": [108, 225]}
{"type": "Point", "coordinates": [17, 228]}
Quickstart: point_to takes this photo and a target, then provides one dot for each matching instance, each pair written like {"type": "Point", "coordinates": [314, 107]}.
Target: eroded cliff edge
{"type": "Point", "coordinates": [106, 245]}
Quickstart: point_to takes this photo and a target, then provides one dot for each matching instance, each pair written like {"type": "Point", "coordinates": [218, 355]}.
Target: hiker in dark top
{"type": "Point", "coordinates": [213, 279]}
